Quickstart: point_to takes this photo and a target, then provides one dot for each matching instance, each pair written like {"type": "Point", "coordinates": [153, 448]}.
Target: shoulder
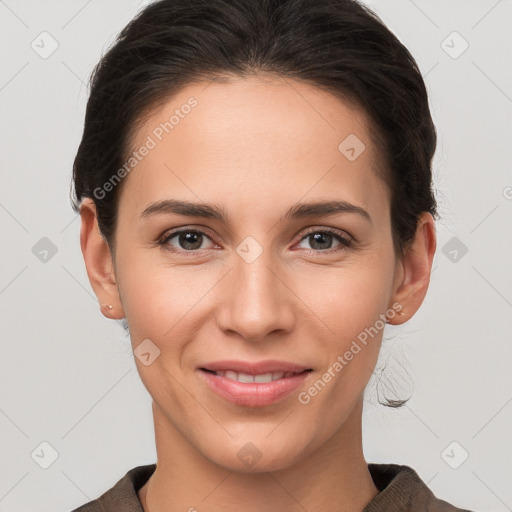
{"type": "Point", "coordinates": [401, 489]}
{"type": "Point", "coordinates": [122, 497]}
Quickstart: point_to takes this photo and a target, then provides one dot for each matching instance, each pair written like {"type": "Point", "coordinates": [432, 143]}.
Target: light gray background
{"type": "Point", "coordinates": [67, 375]}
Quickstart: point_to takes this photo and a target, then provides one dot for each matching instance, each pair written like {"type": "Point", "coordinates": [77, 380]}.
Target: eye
{"type": "Point", "coordinates": [321, 240]}
{"type": "Point", "coordinates": [187, 240]}
{"type": "Point", "coordinates": [191, 240]}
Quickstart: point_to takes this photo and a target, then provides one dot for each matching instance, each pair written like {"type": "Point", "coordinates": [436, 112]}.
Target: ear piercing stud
{"type": "Point", "coordinates": [399, 313]}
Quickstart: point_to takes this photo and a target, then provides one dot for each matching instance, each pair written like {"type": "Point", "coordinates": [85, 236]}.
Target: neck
{"type": "Point", "coordinates": [334, 476]}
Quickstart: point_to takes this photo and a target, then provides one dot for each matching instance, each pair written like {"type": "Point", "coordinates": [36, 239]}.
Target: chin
{"type": "Point", "coordinates": [260, 456]}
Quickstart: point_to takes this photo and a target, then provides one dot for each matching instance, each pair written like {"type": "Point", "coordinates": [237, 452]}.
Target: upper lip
{"type": "Point", "coordinates": [254, 368]}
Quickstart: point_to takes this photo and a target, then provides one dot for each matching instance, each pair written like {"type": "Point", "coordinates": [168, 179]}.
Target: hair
{"type": "Point", "coordinates": [340, 46]}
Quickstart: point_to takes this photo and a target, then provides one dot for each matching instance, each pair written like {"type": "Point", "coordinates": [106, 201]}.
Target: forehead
{"type": "Point", "coordinates": [265, 136]}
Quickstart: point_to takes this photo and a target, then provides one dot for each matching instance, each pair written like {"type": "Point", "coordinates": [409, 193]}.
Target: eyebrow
{"type": "Point", "coordinates": [209, 211]}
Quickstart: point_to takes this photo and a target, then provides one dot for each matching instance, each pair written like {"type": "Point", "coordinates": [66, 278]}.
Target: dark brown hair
{"type": "Point", "coordinates": [337, 45]}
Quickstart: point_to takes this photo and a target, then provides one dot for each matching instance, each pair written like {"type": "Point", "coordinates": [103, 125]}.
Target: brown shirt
{"type": "Point", "coordinates": [401, 490]}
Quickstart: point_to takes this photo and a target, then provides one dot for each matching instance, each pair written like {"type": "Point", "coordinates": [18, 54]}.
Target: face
{"type": "Point", "coordinates": [268, 287]}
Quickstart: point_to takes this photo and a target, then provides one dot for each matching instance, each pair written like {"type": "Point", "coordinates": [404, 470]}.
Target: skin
{"type": "Point", "coordinates": [255, 147]}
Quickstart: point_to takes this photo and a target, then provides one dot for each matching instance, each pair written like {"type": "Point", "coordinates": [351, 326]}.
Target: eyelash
{"type": "Point", "coordinates": [346, 243]}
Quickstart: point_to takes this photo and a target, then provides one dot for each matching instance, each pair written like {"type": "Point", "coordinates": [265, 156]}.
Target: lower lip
{"type": "Point", "coordinates": [253, 394]}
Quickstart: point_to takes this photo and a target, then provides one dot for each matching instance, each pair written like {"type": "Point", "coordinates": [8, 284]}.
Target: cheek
{"type": "Point", "coordinates": [351, 308]}
{"type": "Point", "coordinates": [159, 304]}
{"type": "Point", "coordinates": [347, 299]}
{"type": "Point", "coordinates": [347, 304]}
{"type": "Point", "coordinates": [163, 302]}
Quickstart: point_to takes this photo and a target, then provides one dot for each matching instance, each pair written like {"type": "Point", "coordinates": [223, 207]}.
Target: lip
{"type": "Point", "coordinates": [254, 394]}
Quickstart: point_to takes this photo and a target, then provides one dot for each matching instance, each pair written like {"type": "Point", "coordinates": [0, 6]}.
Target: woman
{"type": "Point", "coordinates": [254, 184]}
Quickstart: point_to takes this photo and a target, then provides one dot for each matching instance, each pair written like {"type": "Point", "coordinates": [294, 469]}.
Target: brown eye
{"type": "Point", "coordinates": [323, 240]}
{"type": "Point", "coordinates": [187, 240]}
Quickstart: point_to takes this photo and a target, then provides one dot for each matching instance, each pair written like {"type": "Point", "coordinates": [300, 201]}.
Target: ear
{"type": "Point", "coordinates": [98, 262]}
{"type": "Point", "coordinates": [413, 273]}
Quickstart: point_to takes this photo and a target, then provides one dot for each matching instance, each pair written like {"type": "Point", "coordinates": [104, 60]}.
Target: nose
{"type": "Point", "coordinates": [256, 301]}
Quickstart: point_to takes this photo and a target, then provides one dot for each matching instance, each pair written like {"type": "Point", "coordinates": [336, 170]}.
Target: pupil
{"type": "Point", "coordinates": [188, 238]}
{"type": "Point", "coordinates": [317, 238]}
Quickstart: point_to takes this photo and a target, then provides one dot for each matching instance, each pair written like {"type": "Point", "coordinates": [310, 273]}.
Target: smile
{"type": "Point", "coordinates": [245, 377]}
{"type": "Point", "coordinates": [253, 384]}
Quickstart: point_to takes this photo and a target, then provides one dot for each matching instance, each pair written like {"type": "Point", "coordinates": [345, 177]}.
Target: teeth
{"type": "Point", "coordinates": [265, 377]}
{"type": "Point", "coordinates": [230, 375]}
{"type": "Point", "coordinates": [262, 378]}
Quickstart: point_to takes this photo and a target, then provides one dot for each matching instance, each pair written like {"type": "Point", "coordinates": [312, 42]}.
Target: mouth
{"type": "Point", "coordinates": [253, 384]}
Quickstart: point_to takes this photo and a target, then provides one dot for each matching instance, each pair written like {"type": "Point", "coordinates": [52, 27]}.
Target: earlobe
{"type": "Point", "coordinates": [416, 265]}
{"type": "Point", "coordinates": [98, 262]}
{"type": "Point", "coordinates": [106, 309]}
